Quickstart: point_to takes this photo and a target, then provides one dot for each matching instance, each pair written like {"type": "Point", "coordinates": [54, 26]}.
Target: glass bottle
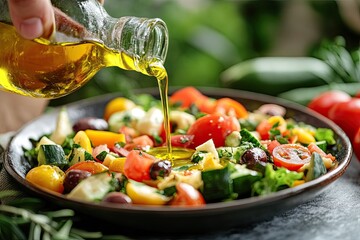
{"type": "Point", "coordinates": [85, 40]}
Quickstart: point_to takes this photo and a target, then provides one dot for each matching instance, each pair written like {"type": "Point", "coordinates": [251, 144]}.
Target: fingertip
{"type": "Point", "coordinates": [31, 28]}
{"type": "Point", "coordinates": [32, 18]}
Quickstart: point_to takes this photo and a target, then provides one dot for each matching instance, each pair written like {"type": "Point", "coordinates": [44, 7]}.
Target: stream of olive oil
{"type": "Point", "coordinates": [42, 69]}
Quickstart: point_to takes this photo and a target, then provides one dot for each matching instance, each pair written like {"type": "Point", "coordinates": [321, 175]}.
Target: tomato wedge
{"type": "Point", "coordinates": [263, 128]}
{"type": "Point", "coordinates": [315, 148]}
{"type": "Point", "coordinates": [291, 156]}
{"type": "Point", "coordinates": [141, 142]}
{"type": "Point", "coordinates": [183, 141]}
{"type": "Point", "coordinates": [187, 195]}
{"type": "Point", "coordinates": [137, 165]}
{"type": "Point", "coordinates": [91, 166]}
{"type": "Point", "coordinates": [230, 107]}
{"type": "Point", "coordinates": [273, 144]}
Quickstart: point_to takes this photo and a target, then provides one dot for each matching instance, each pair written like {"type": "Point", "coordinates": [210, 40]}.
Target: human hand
{"type": "Point", "coordinates": [32, 18]}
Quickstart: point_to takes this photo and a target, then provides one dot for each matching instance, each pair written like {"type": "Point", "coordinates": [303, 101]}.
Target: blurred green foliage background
{"type": "Point", "coordinates": [209, 36]}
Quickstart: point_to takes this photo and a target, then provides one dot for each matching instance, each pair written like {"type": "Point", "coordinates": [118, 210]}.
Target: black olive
{"type": "Point", "coordinates": [73, 177]}
{"type": "Point", "coordinates": [255, 158]}
{"type": "Point", "coordinates": [160, 169]}
{"type": "Point", "coordinates": [90, 123]}
{"type": "Point", "coordinates": [117, 197]}
{"type": "Point", "coordinates": [272, 110]}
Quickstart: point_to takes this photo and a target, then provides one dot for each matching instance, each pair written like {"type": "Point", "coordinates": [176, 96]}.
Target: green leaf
{"type": "Point", "coordinates": [335, 54]}
{"type": "Point", "coordinates": [8, 193]}
{"type": "Point", "coordinates": [64, 231]}
{"type": "Point", "coordinates": [275, 180]}
{"type": "Point", "coordinates": [81, 234]}
{"type": "Point", "coordinates": [9, 230]}
{"type": "Point", "coordinates": [325, 134]}
{"type": "Point", "coordinates": [61, 213]}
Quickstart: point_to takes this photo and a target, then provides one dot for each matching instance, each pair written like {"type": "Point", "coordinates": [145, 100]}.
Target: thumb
{"type": "Point", "coordinates": [32, 18]}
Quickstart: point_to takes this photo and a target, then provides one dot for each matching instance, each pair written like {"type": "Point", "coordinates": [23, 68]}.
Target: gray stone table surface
{"type": "Point", "coordinates": [334, 214]}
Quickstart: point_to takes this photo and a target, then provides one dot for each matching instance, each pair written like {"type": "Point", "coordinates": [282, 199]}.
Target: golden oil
{"type": "Point", "coordinates": [41, 69]}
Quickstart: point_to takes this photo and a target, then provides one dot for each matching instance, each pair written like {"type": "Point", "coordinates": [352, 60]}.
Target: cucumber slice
{"type": "Point", "coordinates": [93, 188]}
{"type": "Point", "coordinates": [52, 154]}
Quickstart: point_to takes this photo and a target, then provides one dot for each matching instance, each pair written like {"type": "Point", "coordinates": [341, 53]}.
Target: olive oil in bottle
{"type": "Point", "coordinates": [86, 39]}
{"type": "Point", "coordinates": [47, 70]}
{"type": "Point", "coordinates": [50, 70]}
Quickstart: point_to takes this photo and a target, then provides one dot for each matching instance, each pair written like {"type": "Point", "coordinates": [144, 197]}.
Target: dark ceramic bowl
{"type": "Point", "coordinates": [215, 216]}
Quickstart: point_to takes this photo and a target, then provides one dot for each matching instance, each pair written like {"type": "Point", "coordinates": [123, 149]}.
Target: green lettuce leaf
{"type": "Point", "coordinates": [275, 180]}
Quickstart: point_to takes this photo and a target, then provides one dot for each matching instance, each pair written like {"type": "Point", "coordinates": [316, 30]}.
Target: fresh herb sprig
{"type": "Point", "coordinates": [344, 63]}
{"type": "Point", "coordinates": [22, 219]}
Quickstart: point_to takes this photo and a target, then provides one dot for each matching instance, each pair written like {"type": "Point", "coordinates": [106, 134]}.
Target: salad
{"type": "Point", "coordinates": [220, 152]}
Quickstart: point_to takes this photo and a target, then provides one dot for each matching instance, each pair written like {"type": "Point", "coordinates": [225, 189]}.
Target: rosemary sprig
{"type": "Point", "coordinates": [25, 222]}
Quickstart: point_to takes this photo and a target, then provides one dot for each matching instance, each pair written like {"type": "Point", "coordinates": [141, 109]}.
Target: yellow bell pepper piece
{"type": "Point", "coordinates": [280, 121]}
{"type": "Point", "coordinates": [117, 165]}
{"type": "Point", "coordinates": [117, 105]}
{"type": "Point", "coordinates": [82, 139]}
{"type": "Point", "coordinates": [277, 119]}
{"type": "Point", "coordinates": [303, 136]}
{"type": "Point", "coordinates": [108, 159]}
{"type": "Point", "coordinates": [98, 137]}
{"type": "Point", "coordinates": [298, 182]}
{"type": "Point", "coordinates": [141, 193]}
{"type": "Point", "coordinates": [210, 162]}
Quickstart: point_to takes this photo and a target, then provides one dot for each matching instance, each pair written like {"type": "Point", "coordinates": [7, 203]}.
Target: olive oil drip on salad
{"type": "Point", "coordinates": [49, 70]}
{"type": "Point", "coordinates": [161, 75]}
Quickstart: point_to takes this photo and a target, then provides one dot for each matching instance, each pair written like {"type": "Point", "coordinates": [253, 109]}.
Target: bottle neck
{"type": "Point", "coordinates": [144, 39]}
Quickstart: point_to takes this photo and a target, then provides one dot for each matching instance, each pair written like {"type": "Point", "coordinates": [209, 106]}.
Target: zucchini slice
{"type": "Point", "coordinates": [52, 154]}
{"type": "Point", "coordinates": [218, 184]}
{"type": "Point", "coordinates": [316, 167]}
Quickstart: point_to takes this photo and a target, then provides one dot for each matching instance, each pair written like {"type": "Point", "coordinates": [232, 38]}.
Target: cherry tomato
{"type": "Point", "coordinates": [266, 125]}
{"type": "Point", "coordinates": [141, 142]}
{"type": "Point", "coordinates": [230, 107]}
{"type": "Point", "coordinates": [326, 100]}
{"type": "Point", "coordinates": [273, 144]}
{"type": "Point", "coordinates": [212, 126]}
{"type": "Point", "coordinates": [183, 141]}
{"type": "Point", "coordinates": [347, 116]}
{"type": "Point", "coordinates": [291, 156]}
{"type": "Point", "coordinates": [356, 144]}
{"type": "Point", "coordinates": [315, 148]}
{"type": "Point", "coordinates": [91, 166]}
{"type": "Point", "coordinates": [263, 128]}
{"type": "Point", "coordinates": [48, 177]}
{"type": "Point", "coordinates": [137, 165]}
{"type": "Point", "coordinates": [187, 96]}
{"type": "Point", "coordinates": [187, 195]}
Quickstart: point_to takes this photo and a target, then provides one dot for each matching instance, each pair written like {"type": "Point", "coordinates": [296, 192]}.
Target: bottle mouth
{"type": "Point", "coordinates": [145, 38]}
{"type": "Point", "coordinates": [155, 39]}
